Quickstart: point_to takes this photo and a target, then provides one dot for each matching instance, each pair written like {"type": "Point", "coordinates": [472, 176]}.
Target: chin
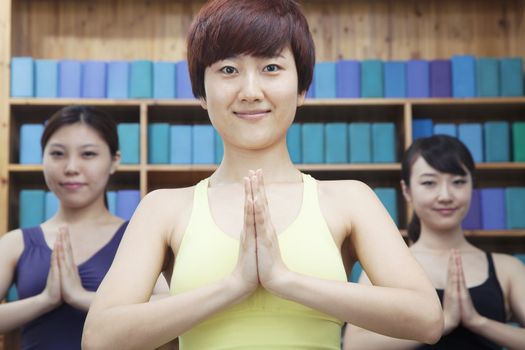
{"type": "Point", "coordinates": [448, 226]}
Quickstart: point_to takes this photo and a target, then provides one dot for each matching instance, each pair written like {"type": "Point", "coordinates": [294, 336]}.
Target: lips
{"type": "Point", "coordinates": [72, 185]}
{"type": "Point", "coordinates": [252, 114]}
{"type": "Point", "coordinates": [446, 211]}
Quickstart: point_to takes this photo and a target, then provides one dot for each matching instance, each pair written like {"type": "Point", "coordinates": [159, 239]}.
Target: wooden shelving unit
{"type": "Point", "coordinates": [148, 177]}
{"type": "Point", "coordinates": [156, 30]}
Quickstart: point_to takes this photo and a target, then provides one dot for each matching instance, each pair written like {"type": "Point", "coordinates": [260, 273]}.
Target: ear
{"type": "Point", "coordinates": [115, 162]}
{"type": "Point", "coordinates": [300, 98]}
{"type": "Point", "coordinates": [203, 103]}
{"type": "Point", "coordinates": [406, 191]}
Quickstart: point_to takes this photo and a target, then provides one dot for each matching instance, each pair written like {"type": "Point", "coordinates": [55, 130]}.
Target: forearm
{"type": "Point", "coordinates": [502, 334]}
{"type": "Point", "coordinates": [17, 313]}
{"type": "Point", "coordinates": [151, 324]}
{"type": "Point", "coordinates": [81, 300]}
{"type": "Point", "coordinates": [395, 312]}
{"type": "Point", "coordinates": [359, 338]}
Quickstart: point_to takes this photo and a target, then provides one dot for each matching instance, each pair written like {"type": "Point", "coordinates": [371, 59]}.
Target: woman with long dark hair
{"type": "Point", "coordinates": [480, 291]}
{"type": "Point", "coordinates": [58, 265]}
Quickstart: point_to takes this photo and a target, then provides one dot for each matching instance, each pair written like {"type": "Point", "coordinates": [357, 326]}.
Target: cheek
{"type": "Point", "coordinates": [97, 171]}
{"type": "Point", "coordinates": [464, 197]}
{"type": "Point", "coordinates": [422, 197]}
{"type": "Point", "coordinates": [285, 90]}
{"type": "Point", "coordinates": [51, 171]}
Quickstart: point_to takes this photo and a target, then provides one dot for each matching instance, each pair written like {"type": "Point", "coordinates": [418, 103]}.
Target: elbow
{"type": "Point", "coordinates": [434, 329]}
{"type": "Point", "coordinates": [90, 339]}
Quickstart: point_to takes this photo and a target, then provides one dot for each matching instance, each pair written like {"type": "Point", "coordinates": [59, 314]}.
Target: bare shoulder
{"type": "Point", "coordinates": [509, 270]}
{"type": "Point", "coordinates": [344, 188]}
{"type": "Point", "coordinates": [167, 210]}
{"type": "Point", "coordinates": [12, 245]}
{"type": "Point", "coordinates": [508, 266]}
{"type": "Point", "coordinates": [13, 237]}
{"type": "Point", "coordinates": [347, 194]}
{"type": "Point", "coordinates": [162, 202]}
{"type": "Point", "coordinates": [344, 202]}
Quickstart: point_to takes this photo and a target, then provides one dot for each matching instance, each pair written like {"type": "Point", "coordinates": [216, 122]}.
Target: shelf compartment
{"type": "Point", "coordinates": [32, 177]}
{"type": "Point", "coordinates": [39, 113]}
{"type": "Point", "coordinates": [470, 110]}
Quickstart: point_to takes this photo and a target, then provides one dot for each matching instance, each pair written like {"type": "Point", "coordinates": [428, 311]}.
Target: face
{"type": "Point", "coordinates": [251, 100]}
{"type": "Point", "coordinates": [440, 200]}
{"type": "Point", "coordinates": [77, 165]}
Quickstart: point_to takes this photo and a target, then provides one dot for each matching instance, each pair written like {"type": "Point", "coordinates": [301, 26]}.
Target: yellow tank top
{"type": "Point", "coordinates": [262, 321]}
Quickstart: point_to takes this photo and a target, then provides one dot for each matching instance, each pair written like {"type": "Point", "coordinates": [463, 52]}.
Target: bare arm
{"type": "Point", "coordinates": [359, 338]}
{"type": "Point", "coordinates": [122, 317]}
{"type": "Point", "coordinates": [506, 335]}
{"type": "Point", "coordinates": [161, 289]}
{"type": "Point", "coordinates": [18, 313]}
{"type": "Point", "coordinates": [401, 303]}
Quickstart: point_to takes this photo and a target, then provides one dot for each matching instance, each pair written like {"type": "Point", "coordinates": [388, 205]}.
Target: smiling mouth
{"type": "Point", "coordinates": [72, 185]}
{"type": "Point", "coordinates": [252, 115]}
{"type": "Point", "coordinates": [446, 211]}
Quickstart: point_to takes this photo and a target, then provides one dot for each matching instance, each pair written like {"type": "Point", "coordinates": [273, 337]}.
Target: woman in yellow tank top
{"type": "Point", "coordinates": [258, 264]}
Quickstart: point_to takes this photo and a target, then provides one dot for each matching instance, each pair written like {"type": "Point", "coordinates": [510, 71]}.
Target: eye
{"type": "Point", "coordinates": [56, 153]}
{"type": "Point", "coordinates": [89, 154]}
{"type": "Point", "coordinates": [271, 68]}
{"type": "Point", "coordinates": [228, 70]}
{"type": "Point", "coordinates": [459, 182]}
{"type": "Point", "coordinates": [428, 183]}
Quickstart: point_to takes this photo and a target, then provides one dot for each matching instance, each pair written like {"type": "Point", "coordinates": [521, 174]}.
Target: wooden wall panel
{"type": "Point", "coordinates": [5, 54]}
{"type": "Point", "coordinates": [386, 29]}
{"type": "Point", "coordinates": [416, 29]}
{"type": "Point", "coordinates": [102, 29]}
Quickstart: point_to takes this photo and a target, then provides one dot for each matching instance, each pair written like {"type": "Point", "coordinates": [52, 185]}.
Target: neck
{"type": "Point", "coordinates": [275, 163]}
{"type": "Point", "coordinates": [92, 213]}
{"type": "Point", "coordinates": [441, 240]}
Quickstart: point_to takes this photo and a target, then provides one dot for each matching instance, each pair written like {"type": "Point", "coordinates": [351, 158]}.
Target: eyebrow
{"type": "Point", "coordinates": [277, 55]}
{"type": "Point", "coordinates": [55, 144]}
{"type": "Point", "coordinates": [428, 174]}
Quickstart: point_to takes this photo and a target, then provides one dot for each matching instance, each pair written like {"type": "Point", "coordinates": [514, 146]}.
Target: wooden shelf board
{"type": "Point", "coordinates": [180, 168]}
{"type": "Point", "coordinates": [308, 102]}
{"type": "Point", "coordinates": [487, 233]}
{"type": "Point", "coordinates": [501, 166]}
{"type": "Point", "coordinates": [496, 233]}
{"type": "Point", "coordinates": [354, 102]}
{"type": "Point", "coordinates": [72, 101]}
{"type": "Point", "coordinates": [21, 168]}
{"type": "Point", "coordinates": [467, 101]}
{"type": "Point", "coordinates": [306, 167]}
{"type": "Point", "coordinates": [414, 101]}
{"type": "Point", "coordinates": [350, 167]}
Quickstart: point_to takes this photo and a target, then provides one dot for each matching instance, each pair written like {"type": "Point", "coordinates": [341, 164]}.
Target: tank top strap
{"type": "Point", "coordinates": [200, 199]}
{"type": "Point", "coordinates": [33, 236]}
{"type": "Point", "coordinates": [117, 236]}
{"type": "Point", "coordinates": [490, 260]}
{"type": "Point", "coordinates": [310, 196]}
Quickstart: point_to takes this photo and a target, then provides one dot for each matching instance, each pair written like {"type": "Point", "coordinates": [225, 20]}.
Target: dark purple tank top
{"type": "Point", "coordinates": [489, 301]}
{"type": "Point", "coordinates": [61, 328]}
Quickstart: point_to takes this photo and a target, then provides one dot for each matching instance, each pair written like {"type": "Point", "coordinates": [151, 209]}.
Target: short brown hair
{"type": "Point", "coordinates": [226, 28]}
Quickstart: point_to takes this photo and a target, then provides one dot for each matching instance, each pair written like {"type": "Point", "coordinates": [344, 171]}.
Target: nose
{"type": "Point", "coordinates": [250, 90]}
{"type": "Point", "coordinates": [71, 166]}
{"type": "Point", "coordinates": [444, 194]}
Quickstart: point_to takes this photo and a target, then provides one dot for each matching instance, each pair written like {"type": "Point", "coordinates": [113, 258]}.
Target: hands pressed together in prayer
{"type": "Point", "coordinates": [457, 303]}
{"type": "Point", "coordinates": [260, 261]}
{"type": "Point", "coordinates": [63, 281]}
